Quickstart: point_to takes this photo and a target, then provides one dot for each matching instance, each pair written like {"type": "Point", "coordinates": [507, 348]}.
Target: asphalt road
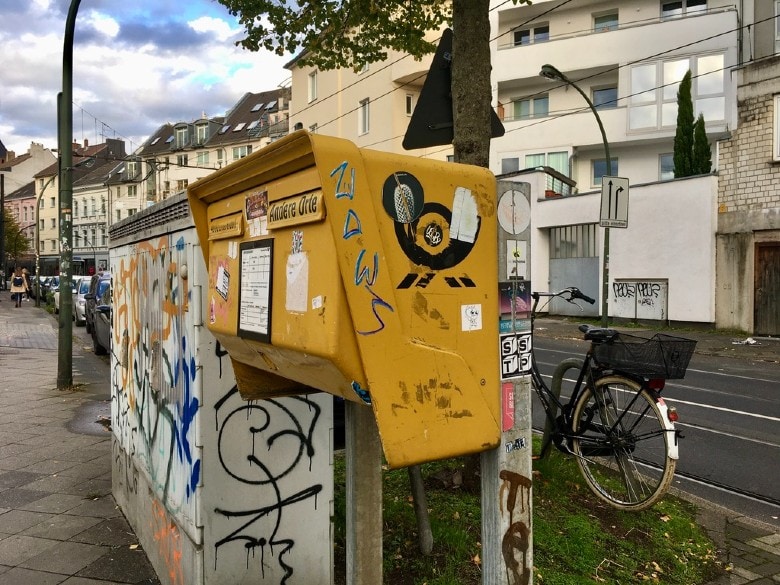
{"type": "Point", "coordinates": [730, 421]}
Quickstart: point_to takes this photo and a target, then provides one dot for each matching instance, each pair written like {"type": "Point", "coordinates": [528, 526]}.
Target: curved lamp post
{"type": "Point", "coordinates": [550, 72]}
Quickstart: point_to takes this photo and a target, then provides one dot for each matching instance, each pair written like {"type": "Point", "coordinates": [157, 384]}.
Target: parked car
{"type": "Point", "coordinates": [79, 288]}
{"type": "Point", "coordinates": [58, 293]}
{"type": "Point", "coordinates": [97, 285]}
{"type": "Point", "coordinates": [79, 302]}
{"type": "Point", "coordinates": [102, 319]}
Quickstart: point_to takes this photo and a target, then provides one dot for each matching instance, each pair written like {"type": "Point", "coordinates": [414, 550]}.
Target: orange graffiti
{"type": "Point", "coordinates": [166, 535]}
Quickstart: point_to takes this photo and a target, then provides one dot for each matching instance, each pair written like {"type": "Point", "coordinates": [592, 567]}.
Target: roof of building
{"type": "Point", "coordinates": [250, 118]}
{"type": "Point", "coordinates": [26, 191]}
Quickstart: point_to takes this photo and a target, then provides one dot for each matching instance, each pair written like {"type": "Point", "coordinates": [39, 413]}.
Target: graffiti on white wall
{"type": "Point", "coordinates": [252, 480]}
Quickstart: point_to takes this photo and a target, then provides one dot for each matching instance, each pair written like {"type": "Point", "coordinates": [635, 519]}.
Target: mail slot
{"type": "Point", "coordinates": [369, 275]}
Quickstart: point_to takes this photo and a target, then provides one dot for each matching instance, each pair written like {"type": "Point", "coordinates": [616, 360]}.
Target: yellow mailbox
{"type": "Point", "coordinates": [369, 275]}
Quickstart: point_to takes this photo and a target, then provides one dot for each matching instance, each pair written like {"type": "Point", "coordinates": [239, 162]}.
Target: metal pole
{"type": "Point", "coordinates": [551, 72]}
{"type": "Point", "coordinates": [2, 227]}
{"type": "Point", "coordinates": [65, 112]}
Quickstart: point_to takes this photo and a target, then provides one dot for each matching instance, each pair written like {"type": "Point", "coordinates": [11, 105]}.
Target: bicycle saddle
{"type": "Point", "coordinates": [598, 334]}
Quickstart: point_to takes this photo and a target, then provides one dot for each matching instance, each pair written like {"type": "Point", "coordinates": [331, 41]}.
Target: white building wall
{"type": "Point", "coordinates": [670, 236]}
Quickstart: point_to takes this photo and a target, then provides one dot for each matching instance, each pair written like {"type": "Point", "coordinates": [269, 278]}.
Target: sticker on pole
{"type": "Point", "coordinates": [614, 202]}
{"type": "Point", "coordinates": [515, 354]}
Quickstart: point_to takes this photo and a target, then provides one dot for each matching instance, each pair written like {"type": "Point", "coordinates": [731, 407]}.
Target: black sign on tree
{"type": "Point", "coordinates": [432, 120]}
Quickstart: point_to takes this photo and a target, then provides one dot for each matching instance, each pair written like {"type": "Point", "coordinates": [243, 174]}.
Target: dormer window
{"type": "Point", "coordinates": [201, 133]}
{"type": "Point", "coordinates": [182, 137]}
{"type": "Point", "coordinates": [132, 169]}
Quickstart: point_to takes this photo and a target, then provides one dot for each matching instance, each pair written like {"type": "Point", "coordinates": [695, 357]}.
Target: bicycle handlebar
{"type": "Point", "coordinates": [568, 294]}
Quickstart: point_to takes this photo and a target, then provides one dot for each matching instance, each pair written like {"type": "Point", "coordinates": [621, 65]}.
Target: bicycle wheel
{"type": "Point", "coordinates": [621, 444]}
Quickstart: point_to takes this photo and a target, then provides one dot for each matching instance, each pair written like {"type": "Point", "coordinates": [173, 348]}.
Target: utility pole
{"type": "Point", "coordinates": [65, 126]}
{"type": "Point", "coordinates": [3, 266]}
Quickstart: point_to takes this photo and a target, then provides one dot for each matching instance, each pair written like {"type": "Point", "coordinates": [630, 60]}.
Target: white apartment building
{"type": "Point", "coordinates": [628, 58]}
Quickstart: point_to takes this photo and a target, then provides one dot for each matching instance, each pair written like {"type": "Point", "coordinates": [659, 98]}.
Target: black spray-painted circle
{"type": "Point", "coordinates": [402, 197]}
{"type": "Point", "coordinates": [455, 250]}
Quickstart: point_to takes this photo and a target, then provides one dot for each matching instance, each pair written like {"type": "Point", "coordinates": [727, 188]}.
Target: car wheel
{"type": "Point", "coordinates": [99, 349]}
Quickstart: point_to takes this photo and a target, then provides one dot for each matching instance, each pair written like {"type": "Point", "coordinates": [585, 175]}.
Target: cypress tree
{"type": "Point", "coordinates": [702, 153]}
{"type": "Point", "coordinates": [683, 138]}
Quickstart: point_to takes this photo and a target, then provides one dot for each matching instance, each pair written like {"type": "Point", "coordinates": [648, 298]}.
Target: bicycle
{"type": "Point", "coordinates": [615, 423]}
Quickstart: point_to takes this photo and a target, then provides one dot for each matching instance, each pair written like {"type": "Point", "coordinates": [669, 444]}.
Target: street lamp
{"type": "Point", "coordinates": [552, 73]}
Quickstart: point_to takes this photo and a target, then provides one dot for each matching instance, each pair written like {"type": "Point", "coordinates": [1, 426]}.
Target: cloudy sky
{"type": "Point", "coordinates": [136, 65]}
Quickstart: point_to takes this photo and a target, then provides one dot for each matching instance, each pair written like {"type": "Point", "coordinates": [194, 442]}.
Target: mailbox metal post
{"type": "Point", "coordinates": [507, 551]}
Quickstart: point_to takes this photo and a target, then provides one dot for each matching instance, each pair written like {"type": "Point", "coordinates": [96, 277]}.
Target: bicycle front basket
{"type": "Point", "coordinates": [661, 356]}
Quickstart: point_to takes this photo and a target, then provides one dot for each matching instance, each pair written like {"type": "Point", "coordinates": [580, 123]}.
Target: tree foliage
{"type": "Point", "coordinates": [683, 138]}
{"type": "Point", "coordinates": [16, 243]}
{"type": "Point", "coordinates": [702, 152]}
{"type": "Point", "coordinates": [332, 34]}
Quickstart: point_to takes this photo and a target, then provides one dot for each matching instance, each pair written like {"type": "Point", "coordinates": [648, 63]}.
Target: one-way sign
{"type": "Point", "coordinates": [614, 202]}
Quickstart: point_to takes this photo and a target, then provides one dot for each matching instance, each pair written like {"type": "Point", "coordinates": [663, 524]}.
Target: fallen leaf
{"type": "Point", "coordinates": [665, 518]}
{"type": "Point", "coordinates": [133, 546]}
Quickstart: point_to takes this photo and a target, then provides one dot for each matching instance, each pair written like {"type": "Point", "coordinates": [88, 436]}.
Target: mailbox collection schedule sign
{"type": "Point", "coordinates": [254, 316]}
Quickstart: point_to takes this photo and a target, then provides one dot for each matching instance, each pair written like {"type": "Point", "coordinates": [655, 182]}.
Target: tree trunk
{"type": "Point", "coordinates": [471, 94]}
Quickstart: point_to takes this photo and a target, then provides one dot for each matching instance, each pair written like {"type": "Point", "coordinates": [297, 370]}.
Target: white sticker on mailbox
{"type": "Point", "coordinates": [471, 317]}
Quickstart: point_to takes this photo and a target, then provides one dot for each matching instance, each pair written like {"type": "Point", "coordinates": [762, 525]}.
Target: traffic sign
{"type": "Point", "coordinates": [614, 202]}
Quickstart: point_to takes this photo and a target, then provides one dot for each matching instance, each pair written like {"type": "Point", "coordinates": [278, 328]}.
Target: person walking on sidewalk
{"type": "Point", "coordinates": [18, 287]}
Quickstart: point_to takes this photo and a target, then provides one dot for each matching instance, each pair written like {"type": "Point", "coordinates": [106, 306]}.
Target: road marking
{"type": "Point", "coordinates": [724, 433]}
{"type": "Point", "coordinates": [723, 409]}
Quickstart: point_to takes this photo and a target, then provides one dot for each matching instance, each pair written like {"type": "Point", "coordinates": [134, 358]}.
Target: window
{"type": "Point", "coordinates": [653, 92]}
{"type": "Point", "coordinates": [312, 86]}
{"type": "Point", "coordinates": [682, 7]}
{"type": "Point", "coordinates": [510, 165]}
{"type": "Point", "coordinates": [40, 204]}
{"type": "Point", "coordinates": [53, 224]}
{"type": "Point", "coordinates": [130, 212]}
{"type": "Point", "coordinates": [201, 133]}
{"type": "Point", "coordinates": [203, 158]}
{"type": "Point", "coordinates": [75, 209]}
{"type": "Point", "coordinates": [118, 214]}
{"type": "Point", "coordinates": [776, 130]}
{"type": "Point", "coordinates": [573, 241]}
{"type": "Point", "coordinates": [605, 98]}
{"type": "Point", "coordinates": [363, 117]}
{"type": "Point", "coordinates": [537, 107]}
{"type": "Point", "coordinates": [363, 68]}
{"type": "Point", "coordinates": [182, 160]}
{"type": "Point", "coordinates": [53, 245]}
{"type": "Point", "coordinates": [605, 22]}
{"type": "Point", "coordinates": [239, 127]}
{"type": "Point", "coordinates": [410, 103]}
{"type": "Point", "coordinates": [224, 128]}
{"type": "Point", "coordinates": [103, 240]}
{"type": "Point", "coordinates": [41, 227]}
{"type": "Point", "coordinates": [600, 169]}
{"type": "Point", "coordinates": [52, 202]}
{"type": "Point", "coordinates": [241, 151]}
{"type": "Point", "coordinates": [94, 206]}
{"type": "Point", "coordinates": [777, 27]}
{"type": "Point", "coordinates": [220, 157]}
{"type": "Point", "coordinates": [132, 168]}
{"type": "Point", "coordinates": [313, 128]}
{"type": "Point", "coordinates": [666, 167]}
{"type": "Point", "coordinates": [182, 137]}
{"type": "Point", "coordinates": [450, 158]}
{"type": "Point", "coordinates": [536, 34]}
{"type": "Point", "coordinates": [132, 190]}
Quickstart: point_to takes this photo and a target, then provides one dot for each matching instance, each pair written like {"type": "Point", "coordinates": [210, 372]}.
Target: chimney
{"type": "Point", "coordinates": [86, 143]}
